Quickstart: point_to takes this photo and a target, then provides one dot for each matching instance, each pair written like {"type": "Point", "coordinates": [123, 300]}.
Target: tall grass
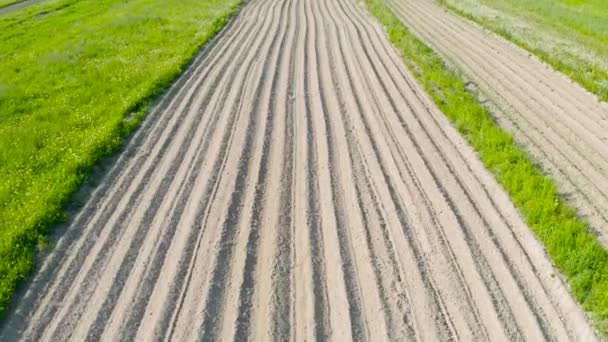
{"type": "Point", "coordinates": [70, 73]}
{"type": "Point", "coordinates": [576, 253]}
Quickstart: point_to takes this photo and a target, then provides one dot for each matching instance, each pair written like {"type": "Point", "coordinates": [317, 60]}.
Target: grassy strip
{"type": "Point", "coordinates": [575, 252]}
{"type": "Point", "coordinates": [70, 73]}
{"type": "Point", "coordinates": [582, 29]}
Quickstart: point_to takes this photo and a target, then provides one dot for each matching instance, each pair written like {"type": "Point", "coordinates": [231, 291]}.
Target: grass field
{"type": "Point", "coordinates": [575, 252]}
{"type": "Point", "coordinates": [70, 73]}
{"type": "Point", "coordinates": [570, 35]}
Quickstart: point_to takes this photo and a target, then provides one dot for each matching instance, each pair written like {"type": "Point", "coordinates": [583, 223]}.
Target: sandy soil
{"type": "Point", "coordinates": [297, 184]}
{"type": "Point", "coordinates": [564, 127]}
{"type": "Point", "coordinates": [18, 5]}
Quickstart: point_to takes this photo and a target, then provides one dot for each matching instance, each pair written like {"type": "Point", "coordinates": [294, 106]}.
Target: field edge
{"type": "Point", "coordinates": [575, 74]}
{"type": "Point", "coordinates": [575, 252]}
{"type": "Point", "coordinates": [20, 259]}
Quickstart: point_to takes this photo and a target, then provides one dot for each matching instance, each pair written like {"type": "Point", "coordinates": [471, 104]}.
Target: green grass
{"type": "Point", "coordinates": [71, 71]}
{"type": "Point", "coordinates": [575, 252]}
{"type": "Point", "coordinates": [570, 35]}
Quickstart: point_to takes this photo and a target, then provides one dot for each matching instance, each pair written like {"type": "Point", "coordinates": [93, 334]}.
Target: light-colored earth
{"type": "Point", "coordinates": [564, 127]}
{"type": "Point", "coordinates": [297, 184]}
{"type": "Point", "coordinates": [18, 6]}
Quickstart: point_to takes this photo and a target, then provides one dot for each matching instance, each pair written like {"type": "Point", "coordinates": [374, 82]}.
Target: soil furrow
{"type": "Point", "coordinates": [175, 207]}
{"type": "Point", "coordinates": [398, 154]}
{"type": "Point", "coordinates": [396, 150]}
{"type": "Point", "coordinates": [265, 180]}
{"type": "Point", "coordinates": [236, 200]}
{"type": "Point", "coordinates": [284, 259]}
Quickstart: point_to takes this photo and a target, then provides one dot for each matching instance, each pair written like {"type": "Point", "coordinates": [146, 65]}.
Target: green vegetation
{"type": "Point", "coordinates": [570, 35]}
{"type": "Point", "coordinates": [71, 71]}
{"type": "Point", "coordinates": [575, 252]}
